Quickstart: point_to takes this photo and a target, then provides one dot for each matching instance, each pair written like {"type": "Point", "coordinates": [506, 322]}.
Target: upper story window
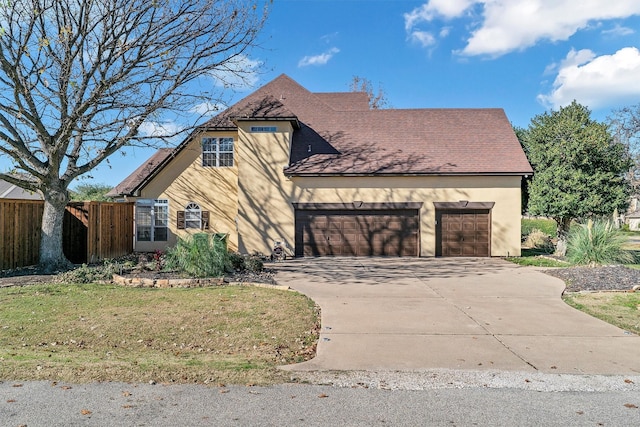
{"type": "Point", "coordinates": [193, 216]}
{"type": "Point", "coordinates": [263, 129]}
{"type": "Point", "coordinates": [217, 152]}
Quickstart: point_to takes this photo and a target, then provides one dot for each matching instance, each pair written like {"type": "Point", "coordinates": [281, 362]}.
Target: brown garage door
{"type": "Point", "coordinates": [463, 233]}
{"type": "Point", "coordinates": [357, 233]}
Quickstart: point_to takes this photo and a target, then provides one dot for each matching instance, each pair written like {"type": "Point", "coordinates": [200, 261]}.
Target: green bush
{"type": "Point", "coordinates": [547, 226]}
{"type": "Point", "coordinates": [199, 256]}
{"type": "Point", "coordinates": [254, 263]}
{"type": "Point", "coordinates": [596, 243]}
{"type": "Point", "coordinates": [240, 262]}
{"type": "Point", "coordinates": [237, 261]}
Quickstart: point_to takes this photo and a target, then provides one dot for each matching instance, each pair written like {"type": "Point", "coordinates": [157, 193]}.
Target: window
{"type": "Point", "coordinates": [152, 219]}
{"type": "Point", "coordinates": [217, 152]}
{"type": "Point", "coordinates": [193, 216]}
{"type": "Point", "coordinates": [263, 129]}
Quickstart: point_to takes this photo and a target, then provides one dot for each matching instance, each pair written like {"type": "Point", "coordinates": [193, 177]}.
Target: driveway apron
{"type": "Point", "coordinates": [469, 313]}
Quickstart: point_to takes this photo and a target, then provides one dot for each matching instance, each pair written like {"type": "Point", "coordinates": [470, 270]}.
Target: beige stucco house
{"type": "Point", "coordinates": [327, 175]}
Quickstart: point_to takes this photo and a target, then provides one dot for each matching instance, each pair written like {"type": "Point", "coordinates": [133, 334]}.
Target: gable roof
{"type": "Point", "coordinates": [338, 134]}
{"type": "Point", "coordinates": [142, 174]}
{"type": "Point", "coordinates": [12, 191]}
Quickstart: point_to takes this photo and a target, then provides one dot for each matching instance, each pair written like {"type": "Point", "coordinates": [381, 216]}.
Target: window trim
{"type": "Point", "coordinates": [263, 129]}
{"type": "Point", "coordinates": [195, 222]}
{"type": "Point", "coordinates": [212, 153]}
{"type": "Point", "coordinates": [158, 219]}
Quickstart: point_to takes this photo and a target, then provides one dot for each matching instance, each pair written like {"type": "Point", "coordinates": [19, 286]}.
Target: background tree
{"type": "Point", "coordinates": [625, 127]}
{"type": "Point", "coordinates": [376, 100]}
{"type": "Point", "coordinates": [524, 183]}
{"type": "Point", "coordinates": [90, 192]}
{"type": "Point", "coordinates": [578, 168]}
{"type": "Point", "coordinates": [80, 79]}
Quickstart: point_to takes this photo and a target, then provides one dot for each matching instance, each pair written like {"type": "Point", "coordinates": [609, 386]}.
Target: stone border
{"type": "Point", "coordinates": [143, 282]}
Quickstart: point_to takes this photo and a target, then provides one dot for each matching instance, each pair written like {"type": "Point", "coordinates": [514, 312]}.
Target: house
{"type": "Point", "coordinates": [326, 175]}
{"type": "Point", "coordinates": [12, 191]}
{"type": "Point", "coordinates": [633, 219]}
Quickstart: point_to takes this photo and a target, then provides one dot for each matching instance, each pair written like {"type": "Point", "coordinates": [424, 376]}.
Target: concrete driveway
{"type": "Point", "coordinates": [470, 313]}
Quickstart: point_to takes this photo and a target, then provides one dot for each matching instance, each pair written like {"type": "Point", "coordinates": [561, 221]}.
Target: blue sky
{"type": "Point", "coordinates": [526, 56]}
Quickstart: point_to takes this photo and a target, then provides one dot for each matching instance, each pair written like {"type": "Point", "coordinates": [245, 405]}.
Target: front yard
{"type": "Point", "coordinates": [595, 290]}
{"type": "Point", "coordinates": [216, 335]}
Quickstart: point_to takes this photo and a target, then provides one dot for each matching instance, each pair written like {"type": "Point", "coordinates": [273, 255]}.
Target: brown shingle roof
{"type": "Point", "coordinates": [140, 176]}
{"type": "Point", "coordinates": [337, 133]}
{"type": "Point", "coordinates": [421, 141]}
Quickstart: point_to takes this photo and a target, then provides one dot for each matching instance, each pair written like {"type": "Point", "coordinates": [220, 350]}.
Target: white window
{"type": "Point", "coordinates": [217, 152]}
{"type": "Point", "coordinates": [152, 220]}
{"type": "Point", "coordinates": [193, 216]}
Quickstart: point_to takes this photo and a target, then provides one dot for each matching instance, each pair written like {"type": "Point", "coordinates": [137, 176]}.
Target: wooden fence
{"type": "Point", "coordinates": [92, 231]}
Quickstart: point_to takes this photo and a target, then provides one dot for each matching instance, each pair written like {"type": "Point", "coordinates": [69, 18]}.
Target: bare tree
{"type": "Point", "coordinates": [624, 124]}
{"type": "Point", "coordinates": [376, 100]}
{"type": "Point", "coordinates": [79, 80]}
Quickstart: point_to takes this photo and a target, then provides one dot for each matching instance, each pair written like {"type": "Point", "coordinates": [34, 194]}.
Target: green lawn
{"type": "Point", "coordinates": [84, 333]}
{"type": "Point", "coordinates": [619, 309]}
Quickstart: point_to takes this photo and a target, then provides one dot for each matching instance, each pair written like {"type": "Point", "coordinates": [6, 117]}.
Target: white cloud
{"type": "Point", "coordinates": [505, 26]}
{"type": "Point", "coordinates": [436, 8]}
{"type": "Point", "coordinates": [596, 81]}
{"type": "Point", "coordinates": [618, 30]}
{"type": "Point", "coordinates": [321, 59]}
{"type": "Point", "coordinates": [239, 73]}
{"type": "Point", "coordinates": [160, 129]}
{"type": "Point", "coordinates": [424, 38]}
{"type": "Point", "coordinates": [207, 109]}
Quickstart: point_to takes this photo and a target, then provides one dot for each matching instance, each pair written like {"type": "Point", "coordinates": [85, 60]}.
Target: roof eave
{"type": "Point", "coordinates": [293, 120]}
{"type": "Point", "coordinates": [355, 174]}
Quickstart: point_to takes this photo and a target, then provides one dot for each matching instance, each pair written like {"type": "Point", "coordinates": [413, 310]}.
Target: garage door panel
{"type": "Point", "coordinates": [463, 233]}
{"type": "Point", "coordinates": [357, 233]}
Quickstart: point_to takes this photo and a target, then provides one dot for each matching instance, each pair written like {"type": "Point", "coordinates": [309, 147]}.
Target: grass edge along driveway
{"type": "Point", "coordinates": [95, 332]}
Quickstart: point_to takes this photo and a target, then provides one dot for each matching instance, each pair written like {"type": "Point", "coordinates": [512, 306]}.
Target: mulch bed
{"type": "Point", "coordinates": [605, 278]}
{"type": "Point", "coordinates": [32, 275]}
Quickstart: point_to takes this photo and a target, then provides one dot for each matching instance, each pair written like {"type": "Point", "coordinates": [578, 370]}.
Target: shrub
{"type": "Point", "coordinates": [597, 242]}
{"type": "Point", "coordinates": [199, 256]}
{"type": "Point", "coordinates": [547, 226]}
{"type": "Point", "coordinates": [254, 263]}
{"type": "Point", "coordinates": [90, 274]}
{"type": "Point", "coordinates": [237, 261]}
{"type": "Point", "coordinates": [538, 239]}
{"type": "Point", "coordinates": [240, 262]}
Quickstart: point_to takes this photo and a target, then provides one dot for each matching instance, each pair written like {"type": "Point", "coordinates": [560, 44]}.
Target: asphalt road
{"type": "Point", "coordinates": [36, 404]}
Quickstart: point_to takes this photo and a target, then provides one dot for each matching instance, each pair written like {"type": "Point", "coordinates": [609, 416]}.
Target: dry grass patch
{"type": "Point", "coordinates": [94, 332]}
{"type": "Point", "coordinates": [617, 308]}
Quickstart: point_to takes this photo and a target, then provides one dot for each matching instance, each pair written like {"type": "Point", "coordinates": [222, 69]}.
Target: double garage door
{"type": "Point", "coordinates": [346, 232]}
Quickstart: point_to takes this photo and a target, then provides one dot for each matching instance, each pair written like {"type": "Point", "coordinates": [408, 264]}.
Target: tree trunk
{"type": "Point", "coordinates": [51, 256]}
{"type": "Point", "coordinates": [563, 232]}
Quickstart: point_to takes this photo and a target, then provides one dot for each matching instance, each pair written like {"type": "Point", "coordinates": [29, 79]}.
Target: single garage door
{"type": "Point", "coordinates": [465, 232]}
{"type": "Point", "coordinates": [347, 232]}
